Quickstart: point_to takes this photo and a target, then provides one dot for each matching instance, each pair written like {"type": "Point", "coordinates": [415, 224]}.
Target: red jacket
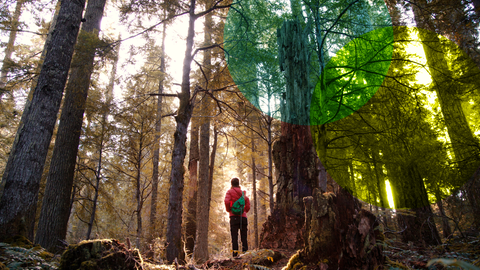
{"type": "Point", "coordinates": [232, 196]}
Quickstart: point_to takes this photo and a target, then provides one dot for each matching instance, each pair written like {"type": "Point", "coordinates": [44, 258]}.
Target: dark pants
{"type": "Point", "coordinates": [234, 228]}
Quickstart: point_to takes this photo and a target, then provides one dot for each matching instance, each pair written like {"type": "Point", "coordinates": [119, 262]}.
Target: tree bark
{"type": "Point", "coordinates": [174, 233]}
{"type": "Point", "coordinates": [138, 186]}
{"type": "Point", "coordinates": [465, 145]}
{"type": "Point", "coordinates": [26, 161]}
{"type": "Point", "coordinates": [106, 108]}
{"type": "Point", "coordinates": [447, 230]}
{"type": "Point", "coordinates": [191, 223]}
{"type": "Point", "coordinates": [294, 155]}
{"type": "Point", "coordinates": [339, 234]}
{"type": "Point", "coordinates": [201, 242]}
{"type": "Point", "coordinates": [156, 144]}
{"type": "Point", "coordinates": [254, 190]}
{"type": "Point", "coordinates": [55, 211]}
{"type": "Point", "coordinates": [212, 165]}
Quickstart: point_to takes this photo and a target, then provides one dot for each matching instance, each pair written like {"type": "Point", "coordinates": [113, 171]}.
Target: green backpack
{"type": "Point", "coordinates": [237, 207]}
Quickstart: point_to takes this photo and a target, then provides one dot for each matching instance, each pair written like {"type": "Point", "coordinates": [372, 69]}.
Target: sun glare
{"type": "Point", "coordinates": [389, 194]}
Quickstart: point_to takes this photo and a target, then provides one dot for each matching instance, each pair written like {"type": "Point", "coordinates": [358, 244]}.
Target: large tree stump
{"type": "Point", "coordinates": [283, 230]}
{"type": "Point", "coordinates": [338, 234]}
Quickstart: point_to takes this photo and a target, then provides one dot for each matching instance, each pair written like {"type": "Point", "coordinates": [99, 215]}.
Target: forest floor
{"type": "Point", "coordinates": [455, 253]}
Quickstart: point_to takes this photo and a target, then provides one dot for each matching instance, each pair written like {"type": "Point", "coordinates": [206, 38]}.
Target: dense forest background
{"type": "Point", "coordinates": [127, 119]}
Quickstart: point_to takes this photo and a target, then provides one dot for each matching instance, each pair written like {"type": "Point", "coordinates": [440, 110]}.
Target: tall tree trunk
{"type": "Point", "coordinates": [270, 165]}
{"type": "Point", "coordinates": [98, 177]}
{"type": "Point", "coordinates": [294, 154]}
{"type": "Point", "coordinates": [9, 49]}
{"type": "Point", "coordinates": [138, 186]}
{"type": "Point", "coordinates": [31, 214]}
{"type": "Point", "coordinates": [174, 226]}
{"type": "Point", "coordinates": [191, 223]}
{"type": "Point", "coordinates": [465, 146]}
{"type": "Point", "coordinates": [156, 144]}
{"type": "Point", "coordinates": [55, 211]}
{"type": "Point", "coordinates": [411, 194]}
{"type": "Point", "coordinates": [254, 191]}
{"type": "Point", "coordinates": [106, 109]}
{"type": "Point", "coordinates": [201, 240]}
{"type": "Point", "coordinates": [27, 158]}
{"type": "Point", "coordinates": [212, 165]}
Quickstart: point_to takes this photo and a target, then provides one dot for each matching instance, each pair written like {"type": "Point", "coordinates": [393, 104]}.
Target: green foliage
{"type": "Point", "coordinates": [352, 76]}
{"type": "Point", "coordinates": [15, 257]}
{"type": "Point", "coordinates": [400, 135]}
{"type": "Point", "coordinates": [253, 55]}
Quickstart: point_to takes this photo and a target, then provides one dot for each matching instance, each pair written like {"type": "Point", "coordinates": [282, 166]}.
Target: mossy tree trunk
{"type": "Point", "coordinates": [293, 154]}
{"type": "Point", "coordinates": [339, 234]}
{"type": "Point", "coordinates": [465, 145]}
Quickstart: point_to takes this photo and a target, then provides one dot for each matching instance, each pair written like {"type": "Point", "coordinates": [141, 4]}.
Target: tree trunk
{"type": "Point", "coordinates": [9, 49]}
{"type": "Point", "coordinates": [212, 165]}
{"type": "Point", "coordinates": [447, 230]}
{"type": "Point", "coordinates": [106, 108]}
{"type": "Point", "coordinates": [55, 211]}
{"type": "Point", "coordinates": [174, 226]}
{"type": "Point", "coordinates": [138, 186]}
{"type": "Point", "coordinates": [419, 226]}
{"type": "Point", "coordinates": [339, 234]}
{"type": "Point", "coordinates": [201, 242]}
{"type": "Point", "coordinates": [465, 146]}
{"type": "Point", "coordinates": [254, 191]}
{"type": "Point", "coordinates": [191, 223]}
{"type": "Point", "coordinates": [156, 145]}
{"type": "Point", "coordinates": [27, 158]}
{"type": "Point", "coordinates": [270, 165]}
{"type": "Point", "coordinates": [294, 155]}
{"type": "Point", "coordinates": [95, 196]}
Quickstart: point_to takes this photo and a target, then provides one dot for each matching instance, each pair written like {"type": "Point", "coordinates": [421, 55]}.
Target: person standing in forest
{"type": "Point", "coordinates": [237, 221]}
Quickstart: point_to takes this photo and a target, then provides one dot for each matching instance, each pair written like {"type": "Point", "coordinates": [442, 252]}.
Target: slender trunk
{"type": "Point", "coordinates": [9, 49]}
{"type": "Point", "coordinates": [201, 240]}
{"type": "Point", "coordinates": [254, 185]}
{"type": "Point", "coordinates": [447, 230]}
{"type": "Point", "coordinates": [156, 145]}
{"type": "Point", "coordinates": [55, 206]}
{"type": "Point", "coordinates": [29, 151]}
{"type": "Point", "coordinates": [174, 226]}
{"type": "Point", "coordinates": [464, 144]}
{"type": "Point", "coordinates": [97, 188]}
{"type": "Point", "coordinates": [191, 223]}
{"type": "Point", "coordinates": [212, 165]}
{"type": "Point", "coordinates": [270, 165]}
{"type": "Point", "coordinates": [109, 97]}
{"type": "Point", "coordinates": [138, 193]}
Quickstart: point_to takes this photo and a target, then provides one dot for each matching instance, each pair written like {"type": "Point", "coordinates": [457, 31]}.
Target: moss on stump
{"type": "Point", "coordinates": [106, 254]}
